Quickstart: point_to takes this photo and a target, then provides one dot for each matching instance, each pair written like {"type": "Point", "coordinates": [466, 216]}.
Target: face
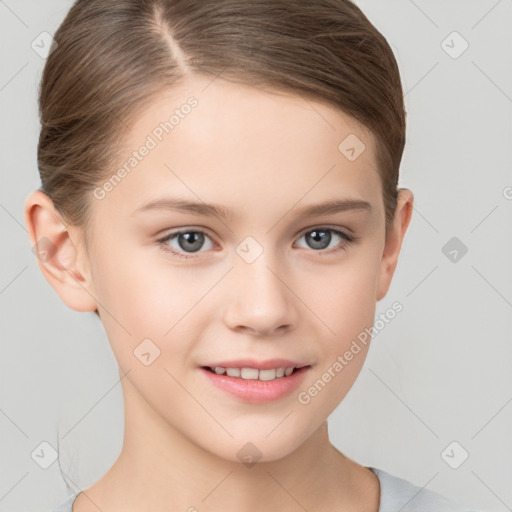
{"type": "Point", "coordinates": [258, 283]}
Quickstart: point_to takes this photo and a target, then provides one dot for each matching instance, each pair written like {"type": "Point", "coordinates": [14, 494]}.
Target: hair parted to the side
{"type": "Point", "coordinates": [114, 56]}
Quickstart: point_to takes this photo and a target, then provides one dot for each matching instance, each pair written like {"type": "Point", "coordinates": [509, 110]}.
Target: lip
{"type": "Point", "coordinates": [268, 364]}
{"type": "Point", "coordinates": [253, 390]}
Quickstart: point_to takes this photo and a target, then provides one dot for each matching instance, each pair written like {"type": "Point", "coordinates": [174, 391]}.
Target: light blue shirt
{"type": "Point", "coordinates": [396, 495]}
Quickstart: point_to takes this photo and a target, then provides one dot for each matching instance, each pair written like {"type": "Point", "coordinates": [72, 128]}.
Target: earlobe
{"type": "Point", "coordinates": [62, 263]}
{"type": "Point", "coordinates": [393, 244]}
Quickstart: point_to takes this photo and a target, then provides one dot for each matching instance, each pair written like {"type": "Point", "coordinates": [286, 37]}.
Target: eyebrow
{"type": "Point", "coordinates": [206, 209]}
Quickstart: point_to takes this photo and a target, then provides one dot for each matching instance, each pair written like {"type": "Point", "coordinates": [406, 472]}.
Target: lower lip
{"type": "Point", "coordinates": [257, 391]}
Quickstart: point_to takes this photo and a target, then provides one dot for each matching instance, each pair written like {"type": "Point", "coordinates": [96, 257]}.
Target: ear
{"type": "Point", "coordinates": [394, 239]}
{"type": "Point", "coordinates": [62, 259]}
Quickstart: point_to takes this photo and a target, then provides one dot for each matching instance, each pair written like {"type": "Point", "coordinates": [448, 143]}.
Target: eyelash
{"type": "Point", "coordinates": [346, 240]}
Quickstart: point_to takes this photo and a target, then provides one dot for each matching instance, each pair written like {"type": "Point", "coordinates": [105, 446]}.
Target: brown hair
{"type": "Point", "coordinates": [113, 56]}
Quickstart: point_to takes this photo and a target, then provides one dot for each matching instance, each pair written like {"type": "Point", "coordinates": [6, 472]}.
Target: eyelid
{"type": "Point", "coordinates": [186, 229]}
{"type": "Point", "coordinates": [347, 232]}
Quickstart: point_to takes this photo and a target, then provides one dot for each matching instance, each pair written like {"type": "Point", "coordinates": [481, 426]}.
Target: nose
{"type": "Point", "coordinates": [261, 301]}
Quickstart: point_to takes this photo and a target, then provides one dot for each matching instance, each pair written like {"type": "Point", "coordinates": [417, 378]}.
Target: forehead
{"type": "Point", "coordinates": [242, 146]}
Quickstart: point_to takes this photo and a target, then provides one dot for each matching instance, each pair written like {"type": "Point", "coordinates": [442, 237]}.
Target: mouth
{"type": "Point", "coordinates": [276, 381]}
{"type": "Point", "coordinates": [248, 373]}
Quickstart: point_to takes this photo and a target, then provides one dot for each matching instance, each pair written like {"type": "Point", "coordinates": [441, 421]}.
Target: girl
{"type": "Point", "coordinates": [267, 136]}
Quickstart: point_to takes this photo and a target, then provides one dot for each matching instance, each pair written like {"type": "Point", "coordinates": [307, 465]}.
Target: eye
{"type": "Point", "coordinates": [186, 240]}
{"type": "Point", "coordinates": [320, 238]}
{"type": "Point", "coordinates": [192, 240]}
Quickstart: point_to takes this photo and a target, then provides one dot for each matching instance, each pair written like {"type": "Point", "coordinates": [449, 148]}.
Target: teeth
{"type": "Point", "coordinates": [267, 374]}
{"type": "Point", "coordinates": [249, 373]}
{"type": "Point", "coordinates": [254, 373]}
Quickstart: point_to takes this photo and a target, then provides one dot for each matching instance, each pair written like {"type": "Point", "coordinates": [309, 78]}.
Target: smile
{"type": "Point", "coordinates": [253, 384]}
{"type": "Point", "coordinates": [253, 373]}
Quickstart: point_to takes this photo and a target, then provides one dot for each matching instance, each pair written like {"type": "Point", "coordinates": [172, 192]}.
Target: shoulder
{"type": "Point", "coordinates": [399, 494]}
{"type": "Point", "coordinates": [395, 494]}
{"type": "Point", "coordinates": [67, 505]}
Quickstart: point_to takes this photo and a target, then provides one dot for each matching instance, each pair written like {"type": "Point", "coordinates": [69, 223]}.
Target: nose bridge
{"type": "Point", "coordinates": [261, 300]}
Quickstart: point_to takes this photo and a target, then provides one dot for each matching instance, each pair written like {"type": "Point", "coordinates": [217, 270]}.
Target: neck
{"type": "Point", "coordinates": [161, 469]}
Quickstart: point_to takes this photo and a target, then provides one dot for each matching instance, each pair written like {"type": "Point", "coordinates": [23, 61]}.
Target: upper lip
{"type": "Point", "coordinates": [268, 364]}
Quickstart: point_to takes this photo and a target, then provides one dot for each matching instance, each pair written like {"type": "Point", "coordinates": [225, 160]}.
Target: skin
{"type": "Point", "coordinates": [265, 155]}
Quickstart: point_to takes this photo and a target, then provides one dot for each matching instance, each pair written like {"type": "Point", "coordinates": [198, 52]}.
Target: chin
{"type": "Point", "coordinates": [254, 447]}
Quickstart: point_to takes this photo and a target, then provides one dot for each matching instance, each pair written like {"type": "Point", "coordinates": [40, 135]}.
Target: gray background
{"type": "Point", "coordinates": [439, 372]}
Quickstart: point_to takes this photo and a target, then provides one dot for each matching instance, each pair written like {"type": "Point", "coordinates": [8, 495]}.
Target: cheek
{"type": "Point", "coordinates": [140, 289]}
{"type": "Point", "coordinates": [344, 296]}
{"type": "Point", "coordinates": [138, 297]}
{"type": "Point", "coordinates": [344, 299]}
{"type": "Point", "coordinates": [347, 309]}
